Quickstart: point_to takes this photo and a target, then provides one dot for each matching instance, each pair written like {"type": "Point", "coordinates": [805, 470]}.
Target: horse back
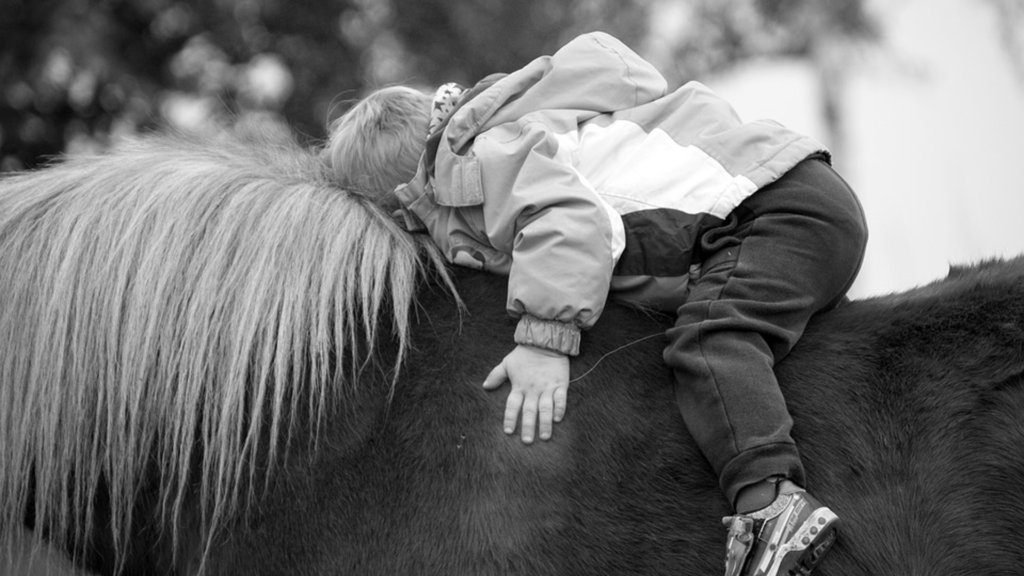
{"type": "Point", "coordinates": [906, 409]}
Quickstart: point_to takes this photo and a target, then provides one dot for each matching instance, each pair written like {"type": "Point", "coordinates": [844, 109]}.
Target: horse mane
{"type": "Point", "coordinates": [170, 310]}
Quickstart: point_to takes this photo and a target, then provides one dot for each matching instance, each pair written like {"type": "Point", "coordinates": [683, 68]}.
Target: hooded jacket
{"type": "Point", "coordinates": [581, 174]}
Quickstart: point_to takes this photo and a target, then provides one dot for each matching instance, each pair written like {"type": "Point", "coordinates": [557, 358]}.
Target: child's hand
{"type": "Point", "coordinates": [540, 383]}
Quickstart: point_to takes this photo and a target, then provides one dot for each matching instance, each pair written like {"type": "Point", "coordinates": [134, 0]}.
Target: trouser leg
{"type": "Point", "coordinates": [790, 250]}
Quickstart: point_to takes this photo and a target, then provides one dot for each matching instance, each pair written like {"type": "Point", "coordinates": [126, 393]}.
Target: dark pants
{"type": "Point", "coordinates": [789, 251]}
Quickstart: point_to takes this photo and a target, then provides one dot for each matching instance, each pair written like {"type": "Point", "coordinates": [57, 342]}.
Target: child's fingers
{"type": "Point", "coordinates": [529, 422]}
{"type": "Point", "coordinates": [545, 412]}
{"type": "Point", "coordinates": [512, 406]}
{"type": "Point", "coordinates": [496, 378]}
{"type": "Point", "coordinates": [559, 401]}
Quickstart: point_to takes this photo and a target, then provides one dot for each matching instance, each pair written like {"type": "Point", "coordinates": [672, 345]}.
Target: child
{"type": "Point", "coordinates": [580, 175]}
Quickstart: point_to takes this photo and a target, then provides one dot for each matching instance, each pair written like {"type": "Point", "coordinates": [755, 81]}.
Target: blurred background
{"type": "Point", "coordinates": [922, 101]}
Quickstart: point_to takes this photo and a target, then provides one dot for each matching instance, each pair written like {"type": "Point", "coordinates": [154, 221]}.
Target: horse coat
{"type": "Point", "coordinates": [215, 360]}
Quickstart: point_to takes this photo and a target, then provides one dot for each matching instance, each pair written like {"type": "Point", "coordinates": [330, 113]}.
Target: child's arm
{"type": "Point", "coordinates": [540, 383]}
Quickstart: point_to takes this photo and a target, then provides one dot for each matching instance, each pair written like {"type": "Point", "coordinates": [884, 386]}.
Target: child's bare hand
{"type": "Point", "coordinates": [540, 383]}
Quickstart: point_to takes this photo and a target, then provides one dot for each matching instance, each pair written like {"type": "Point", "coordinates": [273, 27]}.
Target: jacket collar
{"type": "Point", "coordinates": [448, 99]}
{"type": "Point", "coordinates": [437, 128]}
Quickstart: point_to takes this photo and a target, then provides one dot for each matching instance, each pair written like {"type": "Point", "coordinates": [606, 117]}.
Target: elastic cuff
{"type": "Point", "coordinates": [561, 337]}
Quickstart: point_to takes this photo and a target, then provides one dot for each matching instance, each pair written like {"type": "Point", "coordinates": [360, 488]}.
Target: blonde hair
{"type": "Point", "coordinates": [178, 307]}
{"type": "Point", "coordinates": [377, 144]}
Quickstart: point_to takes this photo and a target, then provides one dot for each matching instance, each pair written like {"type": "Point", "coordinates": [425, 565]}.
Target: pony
{"type": "Point", "coordinates": [217, 361]}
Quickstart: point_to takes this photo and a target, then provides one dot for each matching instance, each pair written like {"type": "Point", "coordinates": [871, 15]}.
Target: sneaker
{"type": "Point", "coordinates": [788, 538]}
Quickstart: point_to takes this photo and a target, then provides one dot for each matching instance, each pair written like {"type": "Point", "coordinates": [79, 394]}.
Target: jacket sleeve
{"type": "Point", "coordinates": [559, 232]}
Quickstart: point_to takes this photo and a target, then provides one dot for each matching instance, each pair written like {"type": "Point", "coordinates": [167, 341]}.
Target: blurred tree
{"type": "Point", "coordinates": [465, 41]}
{"type": "Point", "coordinates": [76, 72]}
{"type": "Point", "coordinates": [714, 34]}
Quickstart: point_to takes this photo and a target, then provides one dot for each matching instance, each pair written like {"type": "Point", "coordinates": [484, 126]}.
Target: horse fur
{"type": "Point", "coordinates": [907, 410]}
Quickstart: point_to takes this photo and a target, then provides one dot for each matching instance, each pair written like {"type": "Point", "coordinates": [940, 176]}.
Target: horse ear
{"type": "Point", "coordinates": [961, 270]}
{"type": "Point", "coordinates": [407, 220]}
{"type": "Point", "coordinates": [956, 271]}
{"type": "Point", "coordinates": [398, 215]}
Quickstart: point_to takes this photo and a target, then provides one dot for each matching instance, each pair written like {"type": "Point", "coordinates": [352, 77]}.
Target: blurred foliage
{"type": "Point", "coordinates": [718, 33]}
{"type": "Point", "coordinates": [76, 75]}
{"type": "Point", "coordinates": [464, 41]}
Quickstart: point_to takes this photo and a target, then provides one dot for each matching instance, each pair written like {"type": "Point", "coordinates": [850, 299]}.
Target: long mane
{"type": "Point", "coordinates": [181, 301]}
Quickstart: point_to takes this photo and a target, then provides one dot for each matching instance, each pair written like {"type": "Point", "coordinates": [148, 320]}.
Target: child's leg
{"type": "Point", "coordinates": [793, 249]}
